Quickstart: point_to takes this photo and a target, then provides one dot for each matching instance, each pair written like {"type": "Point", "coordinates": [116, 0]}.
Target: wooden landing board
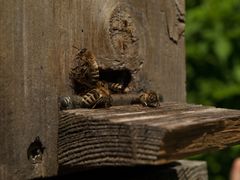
{"type": "Point", "coordinates": [135, 135]}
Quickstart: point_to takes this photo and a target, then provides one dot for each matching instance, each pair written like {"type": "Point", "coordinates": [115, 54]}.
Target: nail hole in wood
{"type": "Point", "coordinates": [35, 151]}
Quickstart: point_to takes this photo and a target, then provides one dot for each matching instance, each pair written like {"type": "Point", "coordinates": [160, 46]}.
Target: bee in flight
{"type": "Point", "coordinates": [85, 70]}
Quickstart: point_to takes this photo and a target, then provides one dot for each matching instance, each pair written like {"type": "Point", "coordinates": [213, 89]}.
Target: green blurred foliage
{"type": "Point", "coordinates": [213, 66]}
{"type": "Point", "coordinates": [213, 52]}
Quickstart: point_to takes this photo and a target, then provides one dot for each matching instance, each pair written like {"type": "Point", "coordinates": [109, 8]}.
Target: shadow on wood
{"type": "Point", "coordinates": [179, 170]}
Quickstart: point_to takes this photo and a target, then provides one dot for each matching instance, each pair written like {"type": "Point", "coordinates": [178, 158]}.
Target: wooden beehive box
{"type": "Point", "coordinates": [145, 38]}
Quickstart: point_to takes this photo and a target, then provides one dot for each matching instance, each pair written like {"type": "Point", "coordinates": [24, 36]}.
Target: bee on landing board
{"type": "Point", "coordinates": [97, 97]}
{"type": "Point", "coordinates": [94, 90]}
{"type": "Point", "coordinates": [85, 70]}
{"type": "Point", "coordinates": [149, 98]}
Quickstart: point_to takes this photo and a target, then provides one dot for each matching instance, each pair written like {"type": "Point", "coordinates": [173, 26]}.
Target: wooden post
{"type": "Point", "coordinates": [145, 37]}
{"type": "Point", "coordinates": [31, 80]}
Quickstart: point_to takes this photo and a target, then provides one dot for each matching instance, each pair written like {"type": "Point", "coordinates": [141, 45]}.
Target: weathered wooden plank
{"type": "Point", "coordinates": [178, 170]}
{"type": "Point", "coordinates": [131, 135]}
{"type": "Point", "coordinates": [29, 88]}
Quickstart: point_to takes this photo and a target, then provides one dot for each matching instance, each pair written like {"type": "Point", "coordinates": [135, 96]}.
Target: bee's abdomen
{"type": "Point", "coordinates": [90, 98]}
{"type": "Point", "coordinates": [95, 76]}
{"type": "Point", "coordinates": [116, 87]}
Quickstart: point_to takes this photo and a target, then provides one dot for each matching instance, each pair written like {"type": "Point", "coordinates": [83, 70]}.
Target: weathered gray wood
{"type": "Point", "coordinates": [178, 170]}
{"type": "Point", "coordinates": [133, 135]}
{"type": "Point", "coordinates": [36, 39]}
{"type": "Point", "coordinates": [30, 77]}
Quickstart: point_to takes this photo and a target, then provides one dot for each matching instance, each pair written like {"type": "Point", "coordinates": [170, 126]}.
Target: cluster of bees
{"type": "Point", "coordinates": [95, 93]}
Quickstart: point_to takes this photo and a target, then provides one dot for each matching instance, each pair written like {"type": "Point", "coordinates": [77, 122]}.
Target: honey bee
{"type": "Point", "coordinates": [65, 102]}
{"type": "Point", "coordinates": [116, 87]}
{"type": "Point", "coordinates": [97, 97]}
{"type": "Point", "coordinates": [149, 98]}
{"type": "Point", "coordinates": [85, 70]}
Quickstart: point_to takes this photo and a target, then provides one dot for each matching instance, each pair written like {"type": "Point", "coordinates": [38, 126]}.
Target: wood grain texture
{"type": "Point", "coordinates": [29, 73]}
{"type": "Point", "coordinates": [178, 170]}
{"type": "Point", "coordinates": [145, 37]}
{"type": "Point", "coordinates": [36, 55]}
{"type": "Point", "coordinates": [134, 135]}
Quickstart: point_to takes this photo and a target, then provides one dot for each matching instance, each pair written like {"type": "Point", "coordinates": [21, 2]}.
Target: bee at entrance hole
{"type": "Point", "coordinates": [116, 87]}
{"type": "Point", "coordinates": [85, 69]}
{"type": "Point", "coordinates": [97, 97]}
{"type": "Point", "coordinates": [149, 98]}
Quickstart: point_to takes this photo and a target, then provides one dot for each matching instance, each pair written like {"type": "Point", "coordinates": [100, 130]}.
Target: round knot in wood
{"type": "Point", "coordinates": [123, 33]}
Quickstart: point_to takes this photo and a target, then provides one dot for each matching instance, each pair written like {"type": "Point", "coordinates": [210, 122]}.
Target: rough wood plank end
{"type": "Point", "coordinates": [135, 135]}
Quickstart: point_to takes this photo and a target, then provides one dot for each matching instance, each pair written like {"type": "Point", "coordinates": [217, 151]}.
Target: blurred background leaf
{"type": "Point", "coordinates": [213, 66]}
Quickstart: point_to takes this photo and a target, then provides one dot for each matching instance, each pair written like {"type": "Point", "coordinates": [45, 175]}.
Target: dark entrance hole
{"type": "Point", "coordinates": [123, 76]}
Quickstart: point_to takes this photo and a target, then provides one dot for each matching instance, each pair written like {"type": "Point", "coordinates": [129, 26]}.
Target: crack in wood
{"type": "Point", "coordinates": [175, 18]}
